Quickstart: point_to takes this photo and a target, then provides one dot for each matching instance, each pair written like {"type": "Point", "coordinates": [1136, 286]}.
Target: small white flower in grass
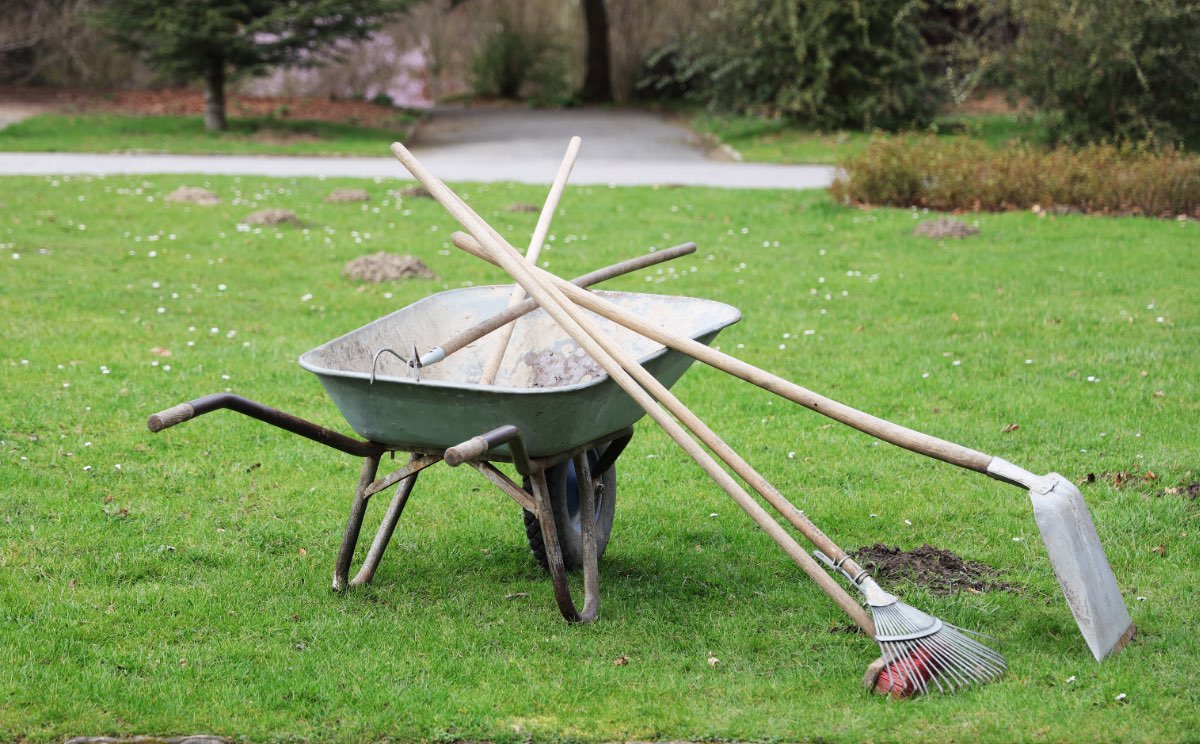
{"type": "Point", "coordinates": [1120, 698]}
{"type": "Point", "coordinates": [231, 334]}
{"type": "Point", "coordinates": [873, 516]}
{"type": "Point", "coordinates": [152, 254]}
{"type": "Point", "coordinates": [1029, 361]}
{"type": "Point", "coordinates": [712, 515]}
{"type": "Point", "coordinates": [1071, 679]}
{"type": "Point", "coordinates": [117, 466]}
{"type": "Point", "coordinates": [924, 375]}
{"type": "Point", "coordinates": [1160, 319]}
{"type": "Point", "coordinates": [1018, 539]}
{"type": "Point", "coordinates": [908, 522]}
{"type": "Point", "coordinates": [16, 256]}
{"type": "Point", "coordinates": [214, 329]}
{"type": "Point", "coordinates": [191, 343]}
{"type": "Point", "coordinates": [161, 310]}
{"type": "Point", "coordinates": [87, 444]}
{"type": "Point", "coordinates": [791, 455]}
{"type": "Point", "coordinates": [957, 363]}
{"type": "Point", "coordinates": [220, 287]}
{"type": "Point", "coordinates": [24, 361]}
{"type": "Point", "coordinates": [1150, 306]}
{"type": "Point", "coordinates": [154, 363]}
{"type": "Point", "coordinates": [224, 377]}
{"type": "Point", "coordinates": [66, 384]}
{"type": "Point", "coordinates": [387, 295]}
{"type": "Point", "coordinates": [166, 368]}
{"type": "Point", "coordinates": [809, 332]}
{"type": "Point", "coordinates": [782, 347]}
{"type": "Point", "coordinates": [306, 297]}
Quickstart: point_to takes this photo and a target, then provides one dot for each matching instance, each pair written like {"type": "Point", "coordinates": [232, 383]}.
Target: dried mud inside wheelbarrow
{"type": "Point", "coordinates": [547, 386]}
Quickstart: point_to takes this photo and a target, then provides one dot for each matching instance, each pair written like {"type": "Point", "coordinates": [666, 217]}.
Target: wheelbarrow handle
{"type": "Point", "coordinates": [168, 418]}
{"type": "Point", "coordinates": [273, 416]}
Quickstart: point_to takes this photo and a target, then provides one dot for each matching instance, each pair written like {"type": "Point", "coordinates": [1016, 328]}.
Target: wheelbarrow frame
{"type": "Point", "coordinates": [480, 453]}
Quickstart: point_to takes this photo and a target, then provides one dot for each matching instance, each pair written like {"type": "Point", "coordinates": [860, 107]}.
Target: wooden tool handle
{"type": "Point", "coordinates": [535, 250]}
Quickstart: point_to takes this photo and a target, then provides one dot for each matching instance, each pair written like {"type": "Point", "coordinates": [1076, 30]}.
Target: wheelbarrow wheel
{"type": "Point", "coordinates": [563, 489]}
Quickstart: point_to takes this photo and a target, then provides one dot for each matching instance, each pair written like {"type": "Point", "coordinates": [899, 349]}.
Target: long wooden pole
{"type": "Point", "coordinates": [535, 251]}
{"type": "Point", "coordinates": [615, 362]}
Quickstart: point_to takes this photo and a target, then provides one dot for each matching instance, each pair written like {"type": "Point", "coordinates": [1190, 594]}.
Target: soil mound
{"type": "Point", "coordinates": [194, 195]}
{"type": "Point", "coordinates": [387, 267]}
{"type": "Point", "coordinates": [942, 572]}
{"type": "Point", "coordinates": [945, 228]}
{"type": "Point", "coordinates": [338, 196]}
{"type": "Point", "coordinates": [273, 217]}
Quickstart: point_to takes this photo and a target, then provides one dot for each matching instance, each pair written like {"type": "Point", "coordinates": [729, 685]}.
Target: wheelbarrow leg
{"type": "Point", "coordinates": [358, 508]}
{"type": "Point", "coordinates": [554, 559]}
{"type": "Point", "coordinates": [386, 528]}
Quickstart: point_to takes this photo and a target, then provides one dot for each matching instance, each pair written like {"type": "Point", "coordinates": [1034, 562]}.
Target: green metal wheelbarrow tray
{"type": "Point", "coordinates": [552, 413]}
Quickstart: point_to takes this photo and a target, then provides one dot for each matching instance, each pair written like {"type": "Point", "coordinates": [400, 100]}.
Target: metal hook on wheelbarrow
{"type": "Point", "coordinates": [414, 363]}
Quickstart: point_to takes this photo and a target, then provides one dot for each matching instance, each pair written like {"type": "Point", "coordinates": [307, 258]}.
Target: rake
{"type": "Point", "coordinates": [924, 648]}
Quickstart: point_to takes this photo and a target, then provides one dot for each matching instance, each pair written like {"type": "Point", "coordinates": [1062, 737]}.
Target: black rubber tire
{"type": "Point", "coordinates": [564, 501]}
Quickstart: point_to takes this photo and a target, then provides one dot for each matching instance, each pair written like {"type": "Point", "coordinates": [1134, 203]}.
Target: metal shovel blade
{"type": "Point", "coordinates": [1080, 565]}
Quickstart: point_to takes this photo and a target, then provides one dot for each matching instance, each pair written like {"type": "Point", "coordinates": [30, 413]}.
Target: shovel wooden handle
{"type": "Point", "coordinates": [901, 436]}
{"type": "Point", "coordinates": [616, 363]}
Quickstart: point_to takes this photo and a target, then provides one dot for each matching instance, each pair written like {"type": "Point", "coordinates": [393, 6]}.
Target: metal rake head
{"type": "Point", "coordinates": [921, 653]}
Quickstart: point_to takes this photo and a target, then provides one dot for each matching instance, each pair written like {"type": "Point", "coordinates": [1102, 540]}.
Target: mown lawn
{"type": "Point", "coordinates": [758, 139]}
{"type": "Point", "coordinates": [247, 135]}
{"type": "Point", "coordinates": [179, 582]}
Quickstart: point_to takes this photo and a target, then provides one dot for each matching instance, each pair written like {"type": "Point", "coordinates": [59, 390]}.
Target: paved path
{"type": "Point", "coordinates": [623, 148]}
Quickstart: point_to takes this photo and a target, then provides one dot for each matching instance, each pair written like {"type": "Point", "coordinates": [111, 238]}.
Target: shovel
{"type": "Point", "coordinates": [1062, 516]}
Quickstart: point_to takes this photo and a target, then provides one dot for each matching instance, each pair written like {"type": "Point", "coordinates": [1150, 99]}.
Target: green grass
{"type": "Point", "coordinates": [188, 589]}
{"type": "Point", "coordinates": [776, 141]}
{"type": "Point", "coordinates": [186, 135]}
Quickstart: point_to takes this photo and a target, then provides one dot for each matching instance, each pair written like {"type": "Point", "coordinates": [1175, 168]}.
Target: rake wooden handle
{"type": "Point", "coordinates": [535, 250]}
{"type": "Point", "coordinates": [616, 363]}
{"type": "Point", "coordinates": [901, 436]}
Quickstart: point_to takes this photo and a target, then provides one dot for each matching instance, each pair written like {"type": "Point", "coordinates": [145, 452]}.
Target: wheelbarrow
{"type": "Point", "coordinates": [551, 412]}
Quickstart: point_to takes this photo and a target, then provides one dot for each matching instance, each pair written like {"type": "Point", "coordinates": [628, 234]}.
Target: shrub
{"type": "Point", "coordinates": [923, 171]}
{"type": "Point", "coordinates": [521, 59]}
{"type": "Point", "coordinates": [1128, 70]}
{"type": "Point", "coordinates": [826, 63]}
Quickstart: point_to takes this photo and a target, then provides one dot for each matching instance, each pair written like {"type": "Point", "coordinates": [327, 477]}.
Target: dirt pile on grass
{"type": "Point", "coordinates": [194, 195]}
{"type": "Point", "coordinates": [272, 217]}
{"type": "Point", "coordinates": [387, 267]}
{"type": "Point", "coordinates": [340, 196]}
{"type": "Point", "coordinates": [940, 571]}
{"type": "Point", "coordinates": [945, 228]}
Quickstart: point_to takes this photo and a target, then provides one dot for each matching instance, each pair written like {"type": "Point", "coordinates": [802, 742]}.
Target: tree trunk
{"type": "Point", "coordinates": [597, 80]}
{"type": "Point", "coordinates": [214, 96]}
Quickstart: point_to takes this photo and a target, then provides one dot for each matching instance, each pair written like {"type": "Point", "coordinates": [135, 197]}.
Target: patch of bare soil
{"type": "Point", "coordinates": [411, 192]}
{"type": "Point", "coordinates": [339, 196]}
{"type": "Point", "coordinates": [524, 208]}
{"type": "Point", "coordinates": [940, 571]}
{"type": "Point", "coordinates": [184, 101]}
{"type": "Point", "coordinates": [194, 195]}
{"type": "Point", "coordinates": [387, 267]}
{"type": "Point", "coordinates": [273, 217]}
{"type": "Point", "coordinates": [945, 227]}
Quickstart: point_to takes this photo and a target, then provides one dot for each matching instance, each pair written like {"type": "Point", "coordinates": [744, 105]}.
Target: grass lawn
{"type": "Point", "coordinates": [179, 582]}
{"type": "Point", "coordinates": [247, 135]}
{"type": "Point", "coordinates": [776, 141]}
